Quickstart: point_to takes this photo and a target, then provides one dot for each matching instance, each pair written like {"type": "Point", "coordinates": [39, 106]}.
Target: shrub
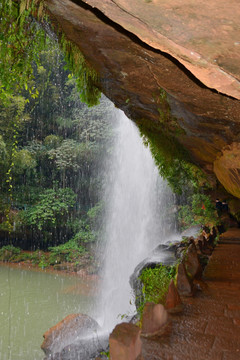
{"type": "Point", "coordinates": [69, 252]}
{"type": "Point", "coordinates": [155, 283]}
{"type": "Point", "coordinates": [200, 211]}
{"type": "Point", "coordinates": [8, 252]}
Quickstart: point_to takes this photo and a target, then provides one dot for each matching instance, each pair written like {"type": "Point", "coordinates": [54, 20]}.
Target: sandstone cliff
{"type": "Point", "coordinates": [189, 49]}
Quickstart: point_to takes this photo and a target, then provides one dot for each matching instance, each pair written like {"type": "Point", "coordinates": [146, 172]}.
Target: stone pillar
{"type": "Point", "coordinates": [191, 262]}
{"type": "Point", "coordinates": [184, 285]}
{"type": "Point", "coordinates": [173, 301]}
{"type": "Point", "coordinates": [154, 318]}
{"type": "Point", "coordinates": [125, 342]}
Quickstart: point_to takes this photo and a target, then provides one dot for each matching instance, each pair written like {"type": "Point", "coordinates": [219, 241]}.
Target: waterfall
{"type": "Point", "coordinates": [137, 203]}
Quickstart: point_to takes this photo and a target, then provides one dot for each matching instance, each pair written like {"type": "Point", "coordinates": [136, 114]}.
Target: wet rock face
{"type": "Point", "coordinates": [192, 263]}
{"type": "Point", "coordinates": [184, 286]}
{"type": "Point", "coordinates": [173, 301]}
{"type": "Point", "coordinates": [227, 168]}
{"type": "Point", "coordinates": [125, 342]}
{"type": "Point", "coordinates": [65, 333]}
{"type": "Point", "coordinates": [153, 319]}
{"type": "Point", "coordinates": [162, 254]}
{"type": "Point", "coordinates": [136, 48]}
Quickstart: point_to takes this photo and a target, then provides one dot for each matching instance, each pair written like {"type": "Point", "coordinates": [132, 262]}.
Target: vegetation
{"type": "Point", "coordinates": [86, 77]}
{"type": "Point", "coordinates": [70, 252]}
{"type": "Point", "coordinates": [155, 284]}
{"type": "Point", "coordinates": [51, 150]}
{"type": "Point", "coordinates": [52, 145]}
{"type": "Point", "coordinates": [170, 157]}
{"type": "Point", "coordinates": [21, 41]}
{"type": "Point", "coordinates": [200, 211]}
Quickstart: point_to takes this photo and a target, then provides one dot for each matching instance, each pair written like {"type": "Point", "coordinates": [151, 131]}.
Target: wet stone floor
{"type": "Point", "coordinates": [209, 326]}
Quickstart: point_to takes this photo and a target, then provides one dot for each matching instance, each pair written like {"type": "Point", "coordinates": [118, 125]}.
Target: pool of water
{"type": "Point", "coordinates": [33, 301]}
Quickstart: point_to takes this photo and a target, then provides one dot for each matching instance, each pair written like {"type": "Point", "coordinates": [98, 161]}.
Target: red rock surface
{"type": "Point", "coordinates": [209, 327]}
{"type": "Point", "coordinates": [184, 285]}
{"type": "Point", "coordinates": [173, 301]}
{"type": "Point", "coordinates": [140, 46]}
{"type": "Point", "coordinates": [125, 342]}
{"type": "Point", "coordinates": [191, 262]}
{"type": "Point", "coordinates": [190, 32]}
{"type": "Point", "coordinates": [154, 318]}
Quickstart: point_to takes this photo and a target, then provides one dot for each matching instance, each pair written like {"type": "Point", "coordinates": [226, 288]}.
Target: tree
{"type": "Point", "coordinates": [51, 209]}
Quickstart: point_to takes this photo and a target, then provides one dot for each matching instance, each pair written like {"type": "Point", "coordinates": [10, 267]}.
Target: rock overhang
{"type": "Point", "coordinates": [121, 43]}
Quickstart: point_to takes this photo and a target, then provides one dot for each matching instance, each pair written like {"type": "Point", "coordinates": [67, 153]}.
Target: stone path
{"type": "Point", "coordinates": [209, 326]}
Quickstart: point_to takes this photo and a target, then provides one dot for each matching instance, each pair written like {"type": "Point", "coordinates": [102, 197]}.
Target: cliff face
{"type": "Point", "coordinates": [190, 49]}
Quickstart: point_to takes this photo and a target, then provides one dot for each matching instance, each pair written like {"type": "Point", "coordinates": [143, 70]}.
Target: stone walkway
{"type": "Point", "coordinates": [209, 326]}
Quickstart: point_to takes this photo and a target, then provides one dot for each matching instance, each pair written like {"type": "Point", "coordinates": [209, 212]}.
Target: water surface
{"type": "Point", "coordinates": [33, 301]}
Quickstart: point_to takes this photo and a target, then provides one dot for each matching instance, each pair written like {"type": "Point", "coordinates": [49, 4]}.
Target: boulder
{"type": "Point", "coordinates": [191, 262]}
{"type": "Point", "coordinates": [163, 254]}
{"type": "Point", "coordinates": [85, 348]}
{"type": "Point", "coordinates": [184, 285]}
{"type": "Point", "coordinates": [153, 319]}
{"type": "Point", "coordinates": [125, 342]}
{"type": "Point", "coordinates": [65, 332]}
{"type": "Point", "coordinates": [173, 302]}
{"type": "Point", "coordinates": [191, 231]}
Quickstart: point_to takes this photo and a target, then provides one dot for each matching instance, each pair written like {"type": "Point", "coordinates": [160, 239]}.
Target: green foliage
{"type": "Point", "coordinates": [49, 139]}
{"type": "Point", "coordinates": [200, 211]}
{"type": "Point", "coordinates": [86, 77]}
{"type": "Point", "coordinates": [85, 235]}
{"type": "Point", "coordinates": [3, 150]}
{"type": "Point", "coordinates": [21, 38]}
{"type": "Point", "coordinates": [14, 250]}
{"type": "Point", "coordinates": [155, 283]}
{"type": "Point", "coordinates": [23, 161]}
{"type": "Point", "coordinates": [66, 155]}
{"type": "Point", "coordinates": [168, 122]}
{"type": "Point", "coordinates": [43, 262]}
{"type": "Point", "coordinates": [36, 257]}
{"type": "Point", "coordinates": [52, 141]}
{"type": "Point", "coordinates": [8, 252]}
{"type": "Point", "coordinates": [51, 207]}
{"type": "Point", "coordinates": [106, 354]}
{"type": "Point", "coordinates": [87, 229]}
{"type": "Point", "coordinates": [71, 251]}
{"type": "Point", "coordinates": [171, 158]}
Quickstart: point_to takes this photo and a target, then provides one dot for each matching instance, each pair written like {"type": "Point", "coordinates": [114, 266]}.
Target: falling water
{"type": "Point", "coordinates": [138, 200]}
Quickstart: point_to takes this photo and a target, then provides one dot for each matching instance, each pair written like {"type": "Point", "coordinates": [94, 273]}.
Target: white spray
{"type": "Point", "coordinates": [135, 221]}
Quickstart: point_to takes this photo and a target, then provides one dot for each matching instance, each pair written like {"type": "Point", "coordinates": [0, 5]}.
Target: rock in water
{"type": "Point", "coordinates": [66, 332]}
